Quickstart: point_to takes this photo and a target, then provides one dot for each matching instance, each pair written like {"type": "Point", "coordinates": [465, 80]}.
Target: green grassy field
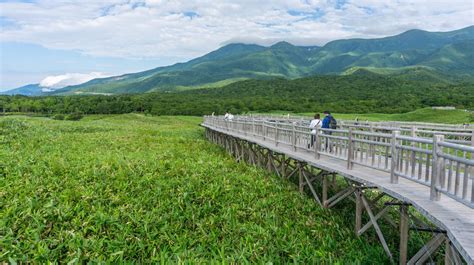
{"type": "Point", "coordinates": [217, 84]}
{"type": "Point", "coordinates": [134, 188]}
{"type": "Point", "coordinates": [420, 115]}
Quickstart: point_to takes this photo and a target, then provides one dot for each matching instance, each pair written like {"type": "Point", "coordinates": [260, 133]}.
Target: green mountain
{"type": "Point", "coordinates": [28, 90]}
{"type": "Point", "coordinates": [455, 58]}
{"type": "Point", "coordinates": [429, 54]}
{"type": "Point", "coordinates": [233, 61]}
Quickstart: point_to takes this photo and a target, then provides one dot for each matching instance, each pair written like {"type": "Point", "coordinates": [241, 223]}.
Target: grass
{"type": "Point", "coordinates": [134, 188]}
{"type": "Point", "coordinates": [420, 115]}
{"type": "Point", "coordinates": [217, 84]}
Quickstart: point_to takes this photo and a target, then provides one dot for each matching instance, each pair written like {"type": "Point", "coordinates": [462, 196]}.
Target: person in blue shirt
{"type": "Point", "coordinates": [326, 120]}
{"type": "Point", "coordinates": [326, 125]}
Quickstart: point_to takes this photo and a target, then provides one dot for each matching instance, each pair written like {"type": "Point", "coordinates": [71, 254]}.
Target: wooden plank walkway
{"type": "Point", "coordinates": [448, 214]}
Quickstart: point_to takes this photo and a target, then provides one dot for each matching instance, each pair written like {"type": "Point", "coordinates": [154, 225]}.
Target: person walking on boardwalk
{"type": "Point", "coordinates": [228, 116]}
{"type": "Point", "coordinates": [314, 124]}
{"type": "Point", "coordinates": [328, 123]}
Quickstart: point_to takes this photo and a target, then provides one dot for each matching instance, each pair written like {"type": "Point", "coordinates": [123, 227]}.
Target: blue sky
{"type": "Point", "coordinates": [45, 39]}
{"type": "Point", "coordinates": [33, 62]}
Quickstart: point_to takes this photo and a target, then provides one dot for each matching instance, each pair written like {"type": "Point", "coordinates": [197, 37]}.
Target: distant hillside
{"type": "Point", "coordinates": [415, 54]}
{"type": "Point", "coordinates": [28, 90]}
{"type": "Point", "coordinates": [416, 73]}
{"type": "Point", "coordinates": [361, 92]}
{"type": "Point", "coordinates": [455, 58]}
{"type": "Point", "coordinates": [358, 93]}
{"type": "Point", "coordinates": [234, 61]}
{"type": "Point", "coordinates": [412, 48]}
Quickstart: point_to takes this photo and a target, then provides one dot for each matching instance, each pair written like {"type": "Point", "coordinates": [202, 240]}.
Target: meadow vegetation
{"type": "Point", "coordinates": [136, 188]}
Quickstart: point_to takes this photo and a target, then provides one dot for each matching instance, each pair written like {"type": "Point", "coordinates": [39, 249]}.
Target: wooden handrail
{"type": "Point", "coordinates": [428, 164]}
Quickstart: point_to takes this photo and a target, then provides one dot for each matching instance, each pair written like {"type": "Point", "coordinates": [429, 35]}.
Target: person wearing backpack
{"type": "Point", "coordinates": [328, 123]}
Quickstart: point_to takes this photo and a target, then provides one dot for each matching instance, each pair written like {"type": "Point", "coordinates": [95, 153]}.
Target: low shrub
{"type": "Point", "coordinates": [74, 116]}
{"type": "Point", "coordinates": [59, 117]}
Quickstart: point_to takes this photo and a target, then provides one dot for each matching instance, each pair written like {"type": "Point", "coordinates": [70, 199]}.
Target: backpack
{"type": "Point", "coordinates": [332, 123]}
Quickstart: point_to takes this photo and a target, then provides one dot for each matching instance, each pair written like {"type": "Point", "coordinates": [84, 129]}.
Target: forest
{"type": "Point", "coordinates": [342, 94]}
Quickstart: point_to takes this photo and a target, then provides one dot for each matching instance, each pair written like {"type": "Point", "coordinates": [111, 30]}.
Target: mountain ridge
{"type": "Point", "coordinates": [26, 90]}
{"type": "Point", "coordinates": [446, 54]}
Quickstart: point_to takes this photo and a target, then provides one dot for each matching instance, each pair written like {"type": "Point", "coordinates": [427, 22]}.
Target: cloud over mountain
{"type": "Point", "coordinates": [54, 82]}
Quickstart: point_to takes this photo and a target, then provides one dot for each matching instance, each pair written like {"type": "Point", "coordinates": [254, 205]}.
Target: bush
{"type": "Point", "coordinates": [74, 116]}
{"type": "Point", "coordinates": [58, 117]}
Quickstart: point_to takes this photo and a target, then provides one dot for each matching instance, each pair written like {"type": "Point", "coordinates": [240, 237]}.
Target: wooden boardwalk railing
{"type": "Point", "coordinates": [462, 134]}
{"type": "Point", "coordinates": [434, 162]}
{"type": "Point", "coordinates": [441, 159]}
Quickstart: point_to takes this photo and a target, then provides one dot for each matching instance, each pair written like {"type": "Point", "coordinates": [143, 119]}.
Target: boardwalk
{"type": "Point", "coordinates": [432, 172]}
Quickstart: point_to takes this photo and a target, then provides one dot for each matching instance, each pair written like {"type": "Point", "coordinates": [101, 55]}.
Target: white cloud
{"type": "Point", "coordinates": [54, 82]}
{"type": "Point", "coordinates": [165, 28]}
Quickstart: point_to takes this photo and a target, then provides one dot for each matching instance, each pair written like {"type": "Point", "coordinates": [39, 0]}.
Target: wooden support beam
{"type": "Point", "coordinates": [334, 180]}
{"type": "Point", "coordinates": [325, 189]}
{"type": "Point", "coordinates": [419, 223]}
{"type": "Point", "coordinates": [331, 202]}
{"type": "Point", "coordinates": [237, 153]}
{"type": "Point", "coordinates": [313, 177]}
{"type": "Point", "coordinates": [284, 166]}
{"type": "Point", "coordinates": [427, 250]}
{"type": "Point", "coordinates": [250, 154]}
{"type": "Point", "coordinates": [301, 182]}
{"type": "Point", "coordinates": [292, 173]}
{"type": "Point", "coordinates": [261, 157]}
{"type": "Point", "coordinates": [404, 225]}
{"type": "Point", "coordinates": [451, 255]}
{"type": "Point", "coordinates": [269, 161]}
{"type": "Point", "coordinates": [448, 254]}
{"type": "Point", "coordinates": [290, 165]}
{"type": "Point", "coordinates": [377, 198]}
{"type": "Point", "coordinates": [376, 227]}
{"type": "Point", "coordinates": [373, 204]}
{"type": "Point", "coordinates": [243, 150]}
{"type": "Point", "coordinates": [370, 223]}
{"type": "Point", "coordinates": [275, 166]}
{"type": "Point", "coordinates": [311, 188]}
{"type": "Point", "coordinates": [358, 213]}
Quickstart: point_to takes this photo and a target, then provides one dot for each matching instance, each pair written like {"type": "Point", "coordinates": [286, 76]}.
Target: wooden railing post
{"type": "Point", "coordinates": [472, 154]}
{"type": "Point", "coordinates": [394, 157]}
{"type": "Point", "coordinates": [413, 155]}
{"type": "Point", "coordinates": [294, 136]}
{"type": "Point", "coordinates": [371, 138]}
{"type": "Point", "coordinates": [277, 134]}
{"type": "Point", "coordinates": [472, 138]}
{"type": "Point", "coordinates": [350, 149]}
{"type": "Point", "coordinates": [253, 126]}
{"type": "Point", "coordinates": [436, 166]}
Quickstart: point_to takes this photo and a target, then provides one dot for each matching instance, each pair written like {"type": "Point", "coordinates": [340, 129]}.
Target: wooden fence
{"type": "Point", "coordinates": [440, 159]}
